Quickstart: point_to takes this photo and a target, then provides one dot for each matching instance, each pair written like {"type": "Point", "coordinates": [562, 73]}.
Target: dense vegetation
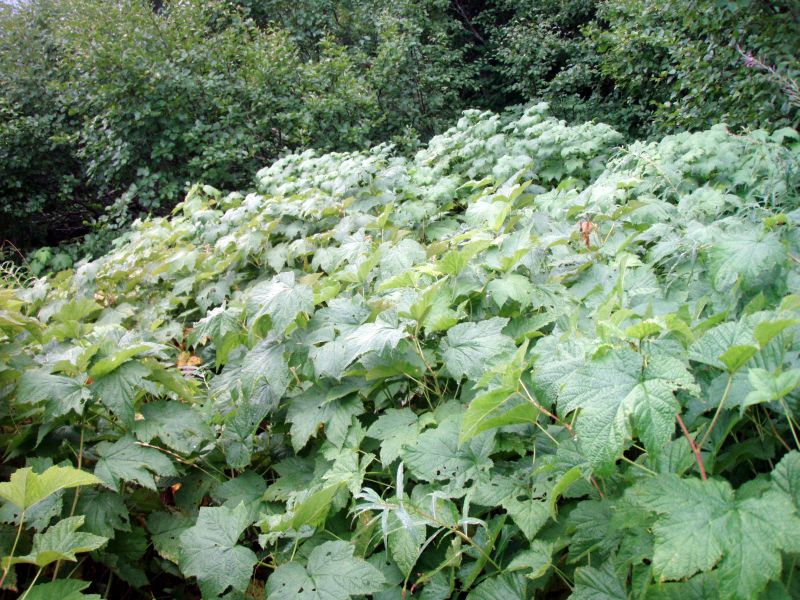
{"type": "Point", "coordinates": [112, 110]}
{"type": "Point", "coordinates": [525, 361]}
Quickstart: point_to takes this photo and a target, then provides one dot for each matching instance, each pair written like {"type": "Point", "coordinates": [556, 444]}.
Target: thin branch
{"type": "Point", "coordinates": [695, 449]}
{"type": "Point", "coordinates": [543, 410]}
{"type": "Point", "coordinates": [468, 22]}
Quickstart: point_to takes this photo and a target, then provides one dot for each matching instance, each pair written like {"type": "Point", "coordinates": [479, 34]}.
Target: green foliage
{"type": "Point", "coordinates": [107, 113]}
{"type": "Point", "coordinates": [27, 488]}
{"type": "Point", "coordinates": [680, 68]}
{"type": "Point", "coordinates": [60, 542]}
{"type": "Point", "coordinates": [332, 572]}
{"type": "Point", "coordinates": [137, 102]}
{"type": "Point", "coordinates": [524, 362]}
{"type": "Point", "coordinates": [210, 553]}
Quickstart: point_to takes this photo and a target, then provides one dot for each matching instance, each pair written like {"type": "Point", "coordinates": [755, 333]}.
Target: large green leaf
{"type": "Point", "coordinates": [104, 512]}
{"type": "Point", "coordinates": [333, 358]}
{"type": "Point", "coordinates": [308, 411]}
{"type": "Point", "coordinates": [598, 584]}
{"type": "Point", "coordinates": [511, 287]}
{"type": "Point", "coordinates": [127, 460]}
{"type": "Point", "coordinates": [282, 299]}
{"type": "Point", "coordinates": [104, 366]}
{"type": "Point", "coordinates": [61, 541]}
{"type": "Point", "coordinates": [620, 395]}
{"type": "Point", "coordinates": [210, 550]}
{"type": "Point", "coordinates": [405, 541]}
{"type": "Point", "coordinates": [768, 387]}
{"type": "Point", "coordinates": [702, 524]}
{"type": "Point", "coordinates": [266, 365]}
{"type": "Point", "coordinates": [61, 393]}
{"type": "Point", "coordinates": [508, 586]}
{"type": "Point", "coordinates": [332, 573]}
{"type": "Point", "coordinates": [26, 488]}
{"type": "Point", "coordinates": [63, 589]}
{"type": "Point", "coordinates": [176, 424]}
{"type": "Point", "coordinates": [484, 412]}
{"type": "Point", "coordinates": [437, 454]}
{"type": "Point", "coordinates": [119, 389]}
{"type": "Point", "coordinates": [238, 437]}
{"type": "Point", "coordinates": [165, 530]}
{"type": "Point", "coordinates": [786, 476]}
{"type": "Point", "coordinates": [747, 255]}
{"type": "Point", "coordinates": [472, 347]}
{"type": "Point", "coordinates": [716, 341]}
{"type": "Point", "coordinates": [395, 428]}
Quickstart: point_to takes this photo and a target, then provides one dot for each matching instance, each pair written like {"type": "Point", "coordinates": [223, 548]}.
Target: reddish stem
{"type": "Point", "coordinates": [597, 487]}
{"type": "Point", "coordinates": [695, 449]}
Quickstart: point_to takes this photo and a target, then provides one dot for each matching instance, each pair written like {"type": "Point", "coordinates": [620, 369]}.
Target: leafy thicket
{"type": "Point", "coordinates": [108, 112]}
{"type": "Point", "coordinates": [525, 362]}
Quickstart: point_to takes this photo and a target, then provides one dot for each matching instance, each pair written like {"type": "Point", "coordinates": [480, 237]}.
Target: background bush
{"type": "Point", "coordinates": [108, 111]}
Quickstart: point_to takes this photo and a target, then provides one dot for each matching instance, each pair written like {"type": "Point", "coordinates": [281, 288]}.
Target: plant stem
{"type": "Point", "coordinates": [108, 583]}
{"type": "Point", "coordinates": [543, 410]}
{"type": "Point", "coordinates": [427, 365]}
{"type": "Point", "coordinates": [791, 424]}
{"type": "Point", "coordinates": [75, 497]}
{"type": "Point", "coordinates": [695, 449]}
{"type": "Point", "coordinates": [775, 432]}
{"type": "Point", "coordinates": [13, 548]}
{"type": "Point", "coordinates": [633, 463]}
{"type": "Point", "coordinates": [718, 411]}
{"type": "Point", "coordinates": [35, 577]}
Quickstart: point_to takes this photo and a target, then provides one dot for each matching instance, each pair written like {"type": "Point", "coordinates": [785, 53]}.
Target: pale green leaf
{"type": "Point", "coordinates": [529, 514]}
{"type": "Point", "coordinates": [620, 395]}
{"type": "Point", "coordinates": [395, 428]}
{"type": "Point", "coordinates": [106, 365]}
{"type": "Point", "coordinates": [437, 455]}
{"type": "Point", "coordinates": [61, 541]}
{"type": "Point", "coordinates": [266, 365]}
{"type": "Point", "coordinates": [332, 573]}
{"type": "Point", "coordinates": [716, 341]}
{"type": "Point", "coordinates": [702, 524]}
{"type": "Point", "coordinates": [508, 586]}
{"type": "Point", "coordinates": [25, 488]}
{"type": "Point", "coordinates": [786, 476]}
{"type": "Point", "coordinates": [307, 412]}
{"type": "Point", "coordinates": [470, 348]}
{"type": "Point", "coordinates": [63, 589]}
{"type": "Point", "coordinates": [484, 412]}
{"type": "Point", "coordinates": [512, 286]}
{"type": "Point", "coordinates": [405, 540]}
{"type": "Point", "coordinates": [535, 561]}
{"type": "Point", "coordinates": [747, 255]}
{"type": "Point", "coordinates": [282, 299]}
{"type": "Point", "coordinates": [333, 358]}
{"type": "Point", "coordinates": [768, 387]}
